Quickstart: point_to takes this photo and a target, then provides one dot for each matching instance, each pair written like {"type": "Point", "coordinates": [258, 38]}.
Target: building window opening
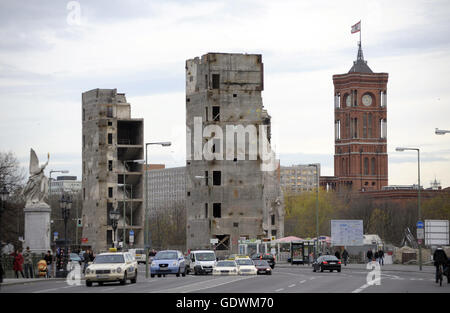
{"type": "Point", "coordinates": [217, 178]}
{"type": "Point", "coordinates": [216, 113]}
{"type": "Point", "coordinates": [217, 210]}
{"type": "Point", "coordinates": [215, 81]}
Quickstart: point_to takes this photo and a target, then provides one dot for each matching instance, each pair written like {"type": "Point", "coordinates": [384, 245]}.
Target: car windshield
{"type": "Point", "coordinates": [140, 252]}
{"type": "Point", "coordinates": [166, 255]}
{"type": "Point", "coordinates": [74, 256]}
{"type": "Point", "coordinates": [109, 258]}
{"type": "Point", "coordinates": [226, 264]}
{"type": "Point", "coordinates": [244, 262]}
{"type": "Point", "coordinates": [260, 263]}
{"type": "Point", "coordinates": [205, 256]}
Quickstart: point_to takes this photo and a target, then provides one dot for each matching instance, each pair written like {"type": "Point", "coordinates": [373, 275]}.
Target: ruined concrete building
{"type": "Point", "coordinates": [112, 179]}
{"type": "Point", "coordinates": [232, 190]}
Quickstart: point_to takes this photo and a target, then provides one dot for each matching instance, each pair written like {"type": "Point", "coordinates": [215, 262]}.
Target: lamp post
{"type": "Point", "coordinates": [65, 204]}
{"type": "Point", "coordinates": [147, 233]}
{"type": "Point", "coordinates": [114, 216]}
{"type": "Point", "coordinates": [4, 195]}
{"type": "Point", "coordinates": [441, 131]}
{"type": "Point", "coordinates": [401, 149]}
{"type": "Point", "coordinates": [317, 208]}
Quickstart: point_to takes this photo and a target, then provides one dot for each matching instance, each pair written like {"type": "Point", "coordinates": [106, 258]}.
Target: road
{"type": "Point", "coordinates": [285, 279]}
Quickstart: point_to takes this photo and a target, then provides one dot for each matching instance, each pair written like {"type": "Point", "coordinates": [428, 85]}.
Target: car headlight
{"type": "Point", "coordinates": [175, 263]}
{"type": "Point", "coordinates": [119, 270]}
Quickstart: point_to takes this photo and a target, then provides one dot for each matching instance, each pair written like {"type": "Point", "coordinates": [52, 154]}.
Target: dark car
{"type": "Point", "coordinates": [270, 258]}
{"type": "Point", "coordinates": [262, 267]}
{"type": "Point", "coordinates": [327, 262]}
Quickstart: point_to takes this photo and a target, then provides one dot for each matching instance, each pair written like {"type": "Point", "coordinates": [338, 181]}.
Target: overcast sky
{"type": "Point", "coordinates": [51, 52]}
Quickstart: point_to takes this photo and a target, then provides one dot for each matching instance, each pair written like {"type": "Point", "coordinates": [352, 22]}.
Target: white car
{"type": "Point", "coordinates": [139, 255]}
{"type": "Point", "coordinates": [201, 262]}
{"type": "Point", "coordinates": [246, 267]}
{"type": "Point", "coordinates": [228, 267]}
{"type": "Point", "coordinates": [110, 267]}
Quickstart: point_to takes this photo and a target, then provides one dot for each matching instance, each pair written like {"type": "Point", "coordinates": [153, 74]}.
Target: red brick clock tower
{"type": "Point", "coordinates": [360, 157]}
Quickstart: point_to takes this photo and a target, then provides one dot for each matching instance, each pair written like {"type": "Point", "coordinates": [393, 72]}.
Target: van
{"type": "Point", "coordinates": [138, 254]}
{"type": "Point", "coordinates": [201, 262]}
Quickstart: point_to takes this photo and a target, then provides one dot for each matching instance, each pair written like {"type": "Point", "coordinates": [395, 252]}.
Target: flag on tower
{"type": "Point", "coordinates": [356, 28]}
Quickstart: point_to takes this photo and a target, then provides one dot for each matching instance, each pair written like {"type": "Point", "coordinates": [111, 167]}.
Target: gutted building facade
{"type": "Point", "coordinates": [232, 187]}
{"type": "Point", "coordinates": [112, 176]}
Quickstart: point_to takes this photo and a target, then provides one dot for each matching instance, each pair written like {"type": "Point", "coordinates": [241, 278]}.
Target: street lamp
{"type": "Point", "coordinates": [114, 216]}
{"type": "Point", "coordinates": [317, 208]}
{"type": "Point", "coordinates": [401, 149]}
{"type": "Point", "coordinates": [4, 195]}
{"type": "Point", "coordinates": [147, 233]}
{"type": "Point", "coordinates": [441, 131]}
{"type": "Point", "coordinates": [65, 204]}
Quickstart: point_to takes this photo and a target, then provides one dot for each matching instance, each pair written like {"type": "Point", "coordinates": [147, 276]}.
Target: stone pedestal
{"type": "Point", "coordinates": [37, 227]}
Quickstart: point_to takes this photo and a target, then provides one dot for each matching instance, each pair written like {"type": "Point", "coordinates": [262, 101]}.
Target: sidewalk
{"type": "Point", "coordinates": [18, 281]}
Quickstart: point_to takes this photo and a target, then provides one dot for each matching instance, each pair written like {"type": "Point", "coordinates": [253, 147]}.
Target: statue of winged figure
{"type": "Point", "coordinates": [36, 190]}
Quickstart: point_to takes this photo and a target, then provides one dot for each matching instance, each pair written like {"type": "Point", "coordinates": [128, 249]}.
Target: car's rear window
{"type": "Point", "coordinates": [329, 258]}
{"type": "Point", "coordinates": [109, 258]}
{"type": "Point", "coordinates": [260, 263]}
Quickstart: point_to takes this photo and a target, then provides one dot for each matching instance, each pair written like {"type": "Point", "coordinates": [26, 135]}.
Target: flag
{"type": "Point", "coordinates": [356, 28]}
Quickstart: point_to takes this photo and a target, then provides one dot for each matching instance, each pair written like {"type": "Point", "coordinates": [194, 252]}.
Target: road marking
{"type": "Point", "coordinates": [303, 281]}
{"type": "Point", "coordinates": [290, 286]}
{"type": "Point", "coordinates": [281, 289]}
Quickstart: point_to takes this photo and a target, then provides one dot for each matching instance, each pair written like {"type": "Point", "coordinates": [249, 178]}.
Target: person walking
{"type": "Point", "coordinates": [381, 257]}
{"type": "Point", "coordinates": [337, 255]}
{"type": "Point", "coordinates": [48, 258]}
{"type": "Point", "coordinates": [28, 262]}
{"type": "Point", "coordinates": [345, 256]}
{"type": "Point", "coordinates": [17, 265]}
{"type": "Point", "coordinates": [369, 255]}
{"type": "Point", "coordinates": [376, 256]}
{"type": "Point", "coordinates": [87, 259]}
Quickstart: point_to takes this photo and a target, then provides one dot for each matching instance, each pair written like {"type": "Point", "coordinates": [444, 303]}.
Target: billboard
{"type": "Point", "coordinates": [436, 232]}
{"type": "Point", "coordinates": [347, 233]}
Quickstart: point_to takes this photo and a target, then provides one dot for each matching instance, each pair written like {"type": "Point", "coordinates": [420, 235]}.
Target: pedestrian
{"type": "Point", "coordinates": [337, 255]}
{"type": "Point", "coordinates": [376, 256]}
{"type": "Point", "coordinates": [48, 258]}
{"type": "Point", "coordinates": [87, 259]}
{"type": "Point", "coordinates": [28, 263]}
{"type": "Point", "coordinates": [345, 256]}
{"type": "Point", "coordinates": [381, 257]}
{"type": "Point", "coordinates": [1, 271]}
{"type": "Point", "coordinates": [18, 261]}
{"type": "Point", "coordinates": [369, 255]}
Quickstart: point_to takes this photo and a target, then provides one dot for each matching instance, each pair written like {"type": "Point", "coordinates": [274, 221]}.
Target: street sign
{"type": "Point", "coordinates": [214, 241]}
{"type": "Point", "coordinates": [131, 236]}
{"type": "Point", "coordinates": [419, 224]}
{"type": "Point", "coordinates": [420, 233]}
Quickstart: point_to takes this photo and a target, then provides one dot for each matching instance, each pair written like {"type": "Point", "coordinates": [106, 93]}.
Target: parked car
{"type": "Point", "coordinates": [201, 262]}
{"type": "Point", "coordinates": [263, 267]}
{"type": "Point", "coordinates": [168, 262]}
{"type": "Point", "coordinates": [246, 266]}
{"type": "Point", "coordinates": [270, 258]}
{"type": "Point", "coordinates": [110, 267]}
{"type": "Point", "coordinates": [327, 262]}
{"type": "Point", "coordinates": [226, 267]}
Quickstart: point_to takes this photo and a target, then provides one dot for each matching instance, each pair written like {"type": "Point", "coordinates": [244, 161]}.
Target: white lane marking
{"type": "Point", "coordinates": [281, 289]}
{"type": "Point", "coordinates": [363, 287]}
{"type": "Point", "coordinates": [303, 281]}
{"type": "Point", "coordinates": [212, 283]}
{"type": "Point", "coordinates": [290, 286]}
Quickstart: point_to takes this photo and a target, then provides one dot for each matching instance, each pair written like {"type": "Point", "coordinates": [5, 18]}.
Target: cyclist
{"type": "Point", "coordinates": [440, 258]}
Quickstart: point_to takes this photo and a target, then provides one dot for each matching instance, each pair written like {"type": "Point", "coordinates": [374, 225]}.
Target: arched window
{"type": "Point", "coordinates": [366, 166]}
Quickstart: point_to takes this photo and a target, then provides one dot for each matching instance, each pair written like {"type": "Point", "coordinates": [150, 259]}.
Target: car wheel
{"type": "Point", "coordinates": [339, 271]}
{"type": "Point", "coordinates": [134, 280]}
{"type": "Point", "coordinates": [321, 269]}
{"type": "Point", "coordinates": [159, 275]}
{"type": "Point", "coordinates": [152, 275]}
{"type": "Point", "coordinates": [124, 280]}
{"type": "Point", "coordinates": [88, 283]}
{"type": "Point", "coordinates": [331, 271]}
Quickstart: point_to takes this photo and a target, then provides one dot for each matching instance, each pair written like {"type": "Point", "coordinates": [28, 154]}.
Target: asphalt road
{"type": "Point", "coordinates": [285, 279]}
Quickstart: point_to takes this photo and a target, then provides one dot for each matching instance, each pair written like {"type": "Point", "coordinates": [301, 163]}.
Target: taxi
{"type": "Point", "coordinates": [112, 267]}
{"type": "Point", "coordinates": [246, 266]}
{"type": "Point", "coordinates": [226, 267]}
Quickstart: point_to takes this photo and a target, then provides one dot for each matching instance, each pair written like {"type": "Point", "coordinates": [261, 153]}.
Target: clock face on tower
{"type": "Point", "coordinates": [367, 100]}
